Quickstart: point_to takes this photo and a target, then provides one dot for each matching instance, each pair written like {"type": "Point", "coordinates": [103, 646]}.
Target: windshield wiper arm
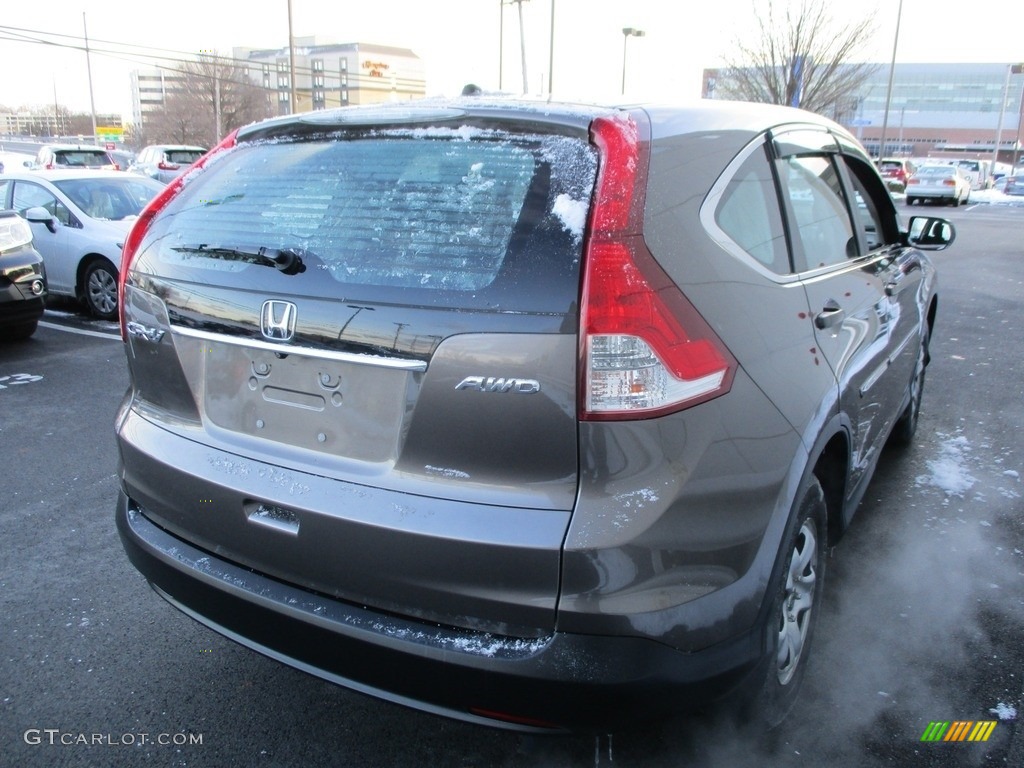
{"type": "Point", "coordinates": [288, 260]}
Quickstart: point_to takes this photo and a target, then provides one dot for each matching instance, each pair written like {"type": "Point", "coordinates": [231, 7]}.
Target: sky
{"type": "Point", "coordinates": [459, 40]}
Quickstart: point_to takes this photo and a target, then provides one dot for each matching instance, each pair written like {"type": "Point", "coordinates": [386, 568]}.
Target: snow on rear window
{"type": "Point", "coordinates": [432, 208]}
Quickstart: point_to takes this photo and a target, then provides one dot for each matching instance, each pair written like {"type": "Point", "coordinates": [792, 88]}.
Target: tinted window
{"type": "Point", "coordinates": [749, 214]}
{"type": "Point", "coordinates": [82, 159]}
{"type": "Point", "coordinates": [821, 217]}
{"type": "Point", "coordinates": [872, 206]}
{"type": "Point", "coordinates": [183, 156]}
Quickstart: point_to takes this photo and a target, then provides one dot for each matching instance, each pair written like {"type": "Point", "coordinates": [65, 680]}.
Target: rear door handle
{"type": "Point", "coordinates": [830, 315]}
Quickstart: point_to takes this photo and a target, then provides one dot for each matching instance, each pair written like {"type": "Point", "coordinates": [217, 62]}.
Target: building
{"type": "Point", "coordinates": [50, 123]}
{"type": "Point", "coordinates": [150, 89]}
{"type": "Point", "coordinates": [336, 74]}
{"type": "Point", "coordinates": [934, 110]}
{"type": "Point", "coordinates": [940, 109]}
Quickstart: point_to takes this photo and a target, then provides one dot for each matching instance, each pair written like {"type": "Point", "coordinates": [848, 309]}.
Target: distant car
{"type": "Point", "coordinates": [1012, 185]}
{"type": "Point", "coordinates": [895, 171]}
{"type": "Point", "coordinates": [79, 221]}
{"type": "Point", "coordinates": [940, 183]}
{"type": "Point", "coordinates": [57, 156]}
{"type": "Point", "coordinates": [22, 279]}
{"type": "Point", "coordinates": [164, 162]}
{"type": "Point", "coordinates": [122, 158]}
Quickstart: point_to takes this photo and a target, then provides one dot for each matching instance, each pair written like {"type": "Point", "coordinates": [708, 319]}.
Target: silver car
{"type": "Point", "coordinates": [945, 184]}
{"type": "Point", "coordinates": [532, 414]}
{"type": "Point", "coordinates": [79, 221]}
{"type": "Point", "coordinates": [164, 162]}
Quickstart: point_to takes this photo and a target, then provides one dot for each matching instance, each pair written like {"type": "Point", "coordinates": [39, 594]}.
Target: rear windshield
{"type": "Point", "coordinates": [183, 156]}
{"type": "Point", "coordinates": [82, 159]}
{"type": "Point", "coordinates": [936, 171]}
{"type": "Point", "coordinates": [468, 213]}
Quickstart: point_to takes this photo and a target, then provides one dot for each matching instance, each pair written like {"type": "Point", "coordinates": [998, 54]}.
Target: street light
{"type": "Point", "coordinates": [627, 32]}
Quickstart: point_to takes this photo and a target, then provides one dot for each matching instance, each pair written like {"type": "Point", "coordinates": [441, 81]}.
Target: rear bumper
{"type": "Point", "coordinates": [559, 682]}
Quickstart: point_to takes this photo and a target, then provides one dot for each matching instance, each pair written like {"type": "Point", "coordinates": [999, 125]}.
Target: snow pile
{"type": "Point", "coordinates": [1004, 711]}
{"type": "Point", "coordinates": [948, 472]}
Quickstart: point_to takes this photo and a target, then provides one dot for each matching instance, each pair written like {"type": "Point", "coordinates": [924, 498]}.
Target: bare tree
{"type": "Point", "coordinates": [800, 57]}
{"type": "Point", "coordinates": [215, 97]}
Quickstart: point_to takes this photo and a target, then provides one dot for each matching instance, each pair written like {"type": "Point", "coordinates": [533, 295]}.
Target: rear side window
{"type": "Point", "coordinates": [438, 210]}
{"type": "Point", "coordinates": [749, 214]}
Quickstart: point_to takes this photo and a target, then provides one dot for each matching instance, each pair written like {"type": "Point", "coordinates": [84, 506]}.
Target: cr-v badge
{"type": "Point", "coordinates": [277, 320]}
{"type": "Point", "coordinates": [495, 384]}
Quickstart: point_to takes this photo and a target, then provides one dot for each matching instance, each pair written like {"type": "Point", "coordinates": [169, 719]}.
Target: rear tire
{"type": "Point", "coordinates": [796, 594]}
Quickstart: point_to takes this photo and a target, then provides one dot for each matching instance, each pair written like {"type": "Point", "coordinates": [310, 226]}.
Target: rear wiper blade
{"type": "Point", "coordinates": [288, 260]}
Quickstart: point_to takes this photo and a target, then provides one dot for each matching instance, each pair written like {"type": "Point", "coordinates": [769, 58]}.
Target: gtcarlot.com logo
{"type": "Point", "coordinates": [56, 736]}
{"type": "Point", "coordinates": [958, 730]}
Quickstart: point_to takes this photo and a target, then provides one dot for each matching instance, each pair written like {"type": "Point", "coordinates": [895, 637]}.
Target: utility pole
{"type": "Point", "coordinates": [522, 44]}
{"type": "Point", "coordinates": [291, 61]}
{"type": "Point", "coordinates": [888, 93]}
{"type": "Point", "coordinates": [88, 67]}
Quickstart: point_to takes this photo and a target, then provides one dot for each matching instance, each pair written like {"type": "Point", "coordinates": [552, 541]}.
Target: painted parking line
{"type": "Point", "coordinates": [80, 331]}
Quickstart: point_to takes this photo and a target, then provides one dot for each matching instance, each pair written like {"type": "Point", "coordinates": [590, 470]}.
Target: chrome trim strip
{"type": "Point", "coordinates": [395, 363]}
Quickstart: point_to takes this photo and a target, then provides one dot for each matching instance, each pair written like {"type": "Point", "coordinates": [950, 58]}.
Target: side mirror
{"type": "Point", "coordinates": [930, 233]}
{"type": "Point", "coordinates": [40, 215]}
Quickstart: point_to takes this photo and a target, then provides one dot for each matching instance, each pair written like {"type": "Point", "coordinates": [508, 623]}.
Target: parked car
{"type": "Point", "coordinates": [60, 156]}
{"type": "Point", "coordinates": [1012, 185]}
{"type": "Point", "coordinates": [896, 171]}
{"type": "Point", "coordinates": [537, 415]}
{"type": "Point", "coordinates": [939, 183]}
{"type": "Point", "coordinates": [122, 158]}
{"type": "Point", "coordinates": [164, 162]}
{"type": "Point", "coordinates": [79, 221]}
{"type": "Point", "coordinates": [22, 279]}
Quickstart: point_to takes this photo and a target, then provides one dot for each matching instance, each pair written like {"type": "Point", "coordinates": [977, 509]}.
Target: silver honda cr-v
{"type": "Point", "coordinates": [538, 415]}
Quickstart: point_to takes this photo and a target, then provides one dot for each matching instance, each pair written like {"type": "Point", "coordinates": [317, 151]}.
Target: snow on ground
{"type": "Point", "coordinates": [979, 196]}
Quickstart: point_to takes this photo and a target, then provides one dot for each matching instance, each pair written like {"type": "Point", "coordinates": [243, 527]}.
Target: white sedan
{"type": "Point", "coordinates": [945, 184]}
{"type": "Point", "coordinates": [79, 220]}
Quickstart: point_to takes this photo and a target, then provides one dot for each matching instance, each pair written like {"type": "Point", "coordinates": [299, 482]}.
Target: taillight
{"type": "Point", "coordinates": [912, 180]}
{"type": "Point", "coordinates": [949, 182]}
{"type": "Point", "coordinates": [141, 226]}
{"type": "Point", "coordinates": [645, 350]}
{"type": "Point", "coordinates": [163, 166]}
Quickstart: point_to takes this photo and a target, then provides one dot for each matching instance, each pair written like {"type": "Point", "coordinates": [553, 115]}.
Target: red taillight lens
{"type": "Point", "coordinates": [949, 182]}
{"type": "Point", "coordinates": [139, 229]}
{"type": "Point", "coordinates": [645, 349]}
{"type": "Point", "coordinates": [164, 166]}
{"type": "Point", "coordinates": [913, 181]}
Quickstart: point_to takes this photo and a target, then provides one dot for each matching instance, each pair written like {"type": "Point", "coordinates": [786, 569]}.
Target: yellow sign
{"type": "Point", "coordinates": [109, 133]}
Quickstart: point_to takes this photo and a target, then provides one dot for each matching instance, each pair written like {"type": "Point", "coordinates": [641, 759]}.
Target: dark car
{"type": "Point", "coordinates": [537, 415]}
{"type": "Point", "coordinates": [896, 171]}
{"type": "Point", "coordinates": [22, 279]}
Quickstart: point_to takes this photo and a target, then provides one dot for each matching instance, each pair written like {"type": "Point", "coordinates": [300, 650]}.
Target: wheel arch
{"type": "Point", "coordinates": [83, 266]}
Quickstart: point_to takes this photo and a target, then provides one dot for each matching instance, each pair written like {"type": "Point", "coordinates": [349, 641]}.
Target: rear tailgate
{"type": "Point", "coordinates": [406, 339]}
